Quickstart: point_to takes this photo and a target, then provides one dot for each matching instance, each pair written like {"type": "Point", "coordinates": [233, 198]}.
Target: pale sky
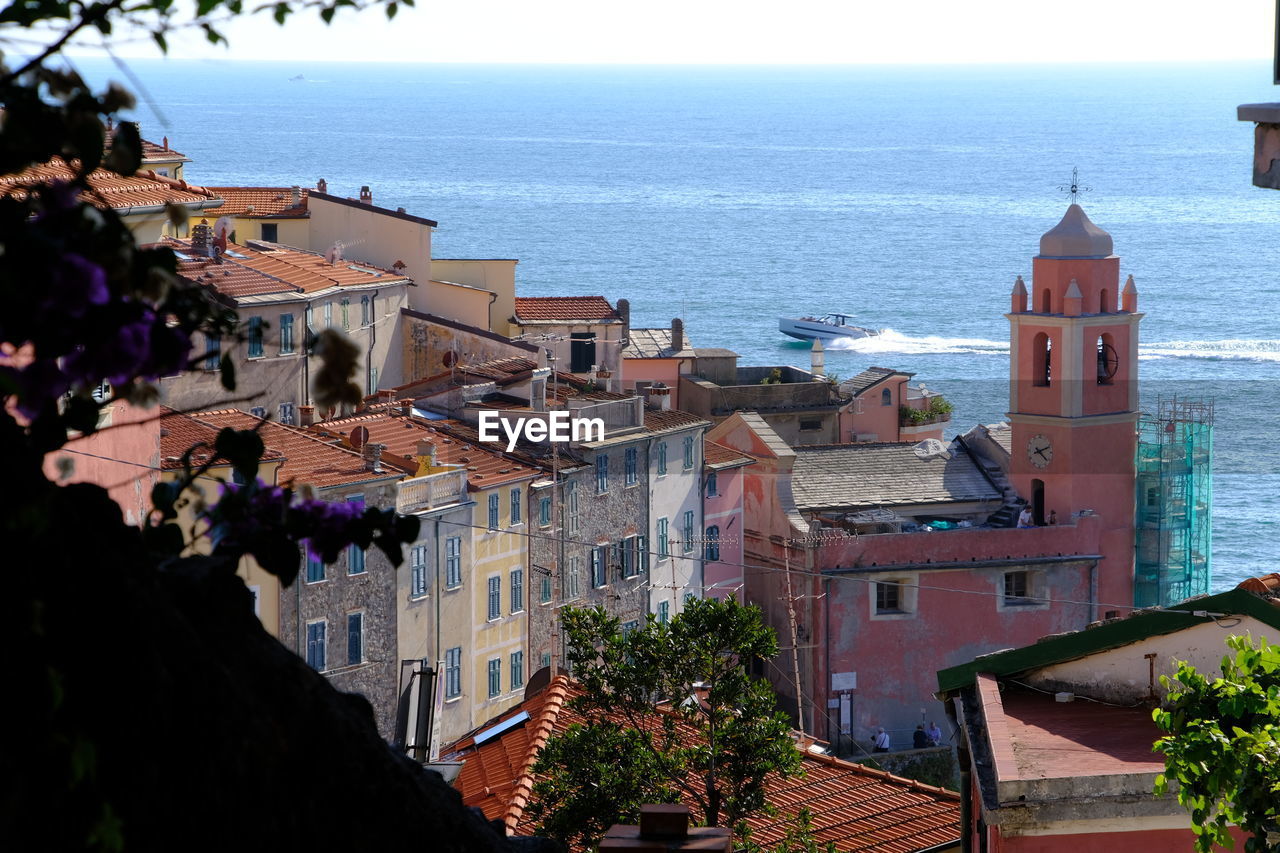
{"type": "Point", "coordinates": [756, 32]}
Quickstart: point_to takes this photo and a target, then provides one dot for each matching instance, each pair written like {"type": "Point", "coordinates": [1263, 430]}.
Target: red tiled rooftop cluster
{"type": "Point", "coordinates": [558, 308]}
{"type": "Point", "coordinates": [261, 202]}
{"type": "Point", "coordinates": [145, 189]}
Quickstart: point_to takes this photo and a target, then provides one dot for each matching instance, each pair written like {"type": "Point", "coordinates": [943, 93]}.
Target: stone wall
{"type": "Point", "coordinates": [934, 766]}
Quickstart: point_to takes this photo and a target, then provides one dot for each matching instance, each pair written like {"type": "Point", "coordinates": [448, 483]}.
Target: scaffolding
{"type": "Point", "coordinates": [1173, 524]}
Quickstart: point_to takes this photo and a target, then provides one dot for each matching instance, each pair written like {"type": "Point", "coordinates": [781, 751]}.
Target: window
{"type": "Point", "coordinates": [286, 333]}
{"type": "Point", "coordinates": [1017, 589]}
{"type": "Point", "coordinates": [255, 337]}
{"type": "Point", "coordinates": [599, 562]}
{"type": "Point", "coordinates": [662, 458]}
{"type": "Point", "coordinates": [688, 452]}
{"type": "Point", "coordinates": [311, 319]}
{"type": "Point", "coordinates": [627, 628]}
{"type": "Point", "coordinates": [582, 351]}
{"type": "Point", "coordinates": [257, 412]}
{"type": "Point", "coordinates": [315, 567]}
{"type": "Point", "coordinates": [888, 597]}
{"type": "Point", "coordinates": [713, 485]}
{"type": "Point", "coordinates": [686, 535]}
{"type": "Point", "coordinates": [346, 314]}
{"type": "Point", "coordinates": [664, 544]}
{"type": "Point", "coordinates": [288, 413]}
{"type": "Point", "coordinates": [664, 611]}
{"type": "Point", "coordinates": [1041, 371]}
{"type": "Point", "coordinates": [515, 507]}
{"type": "Point", "coordinates": [315, 645]}
{"type": "Point", "coordinates": [573, 506]}
{"type": "Point", "coordinates": [366, 315]}
{"type": "Point", "coordinates": [495, 598]}
{"type": "Point", "coordinates": [544, 592]}
{"type": "Point", "coordinates": [886, 397]}
{"type": "Point", "coordinates": [453, 561]}
{"type": "Point", "coordinates": [546, 659]}
{"type": "Point", "coordinates": [571, 580]}
{"type": "Point", "coordinates": [493, 511]}
{"type": "Point", "coordinates": [602, 473]}
{"type": "Point", "coordinates": [544, 512]}
{"type": "Point", "coordinates": [355, 554]}
{"type": "Point", "coordinates": [810, 424]}
{"type": "Point", "coordinates": [629, 464]}
{"type": "Point", "coordinates": [517, 670]}
{"type": "Point", "coordinates": [517, 590]}
{"type": "Point", "coordinates": [271, 232]}
{"type": "Point", "coordinates": [212, 348]}
{"type": "Point", "coordinates": [495, 677]}
{"type": "Point", "coordinates": [373, 380]}
{"type": "Point", "coordinates": [629, 555]}
{"type": "Point", "coordinates": [355, 638]}
{"type": "Point", "coordinates": [453, 673]}
{"type": "Point", "coordinates": [328, 315]}
{"type": "Point", "coordinates": [1108, 359]}
{"type": "Point", "coordinates": [418, 571]}
{"type": "Point", "coordinates": [713, 543]}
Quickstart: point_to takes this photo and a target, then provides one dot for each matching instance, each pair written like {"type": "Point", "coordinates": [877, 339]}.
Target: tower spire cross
{"type": "Point", "coordinates": [1074, 189]}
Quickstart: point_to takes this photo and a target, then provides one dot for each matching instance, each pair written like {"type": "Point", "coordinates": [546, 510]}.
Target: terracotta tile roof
{"type": "Point", "coordinates": [671, 419]}
{"type": "Point", "coordinates": [548, 309]}
{"type": "Point", "coordinates": [261, 202]}
{"type": "Point", "coordinates": [308, 458]}
{"type": "Point", "coordinates": [716, 455]}
{"type": "Point", "coordinates": [154, 152]}
{"type": "Point", "coordinates": [306, 272]}
{"type": "Point", "coordinates": [500, 370]}
{"type": "Point", "coordinates": [854, 807]}
{"type": "Point", "coordinates": [485, 468]}
{"type": "Point", "coordinates": [145, 189]}
{"type": "Point", "coordinates": [1267, 586]}
{"type": "Point", "coordinates": [179, 433]}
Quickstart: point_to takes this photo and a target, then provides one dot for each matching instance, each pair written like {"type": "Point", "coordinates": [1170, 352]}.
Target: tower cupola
{"type": "Point", "coordinates": [1075, 237]}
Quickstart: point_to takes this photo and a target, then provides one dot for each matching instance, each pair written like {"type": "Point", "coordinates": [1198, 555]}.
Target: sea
{"type": "Point", "coordinates": [911, 196]}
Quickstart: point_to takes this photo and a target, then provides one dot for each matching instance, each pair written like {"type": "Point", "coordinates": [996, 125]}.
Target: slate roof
{"type": "Point", "coordinates": [556, 309]}
{"type": "Point", "coordinates": [261, 202]}
{"type": "Point", "coordinates": [655, 343]}
{"type": "Point", "coordinates": [485, 467]}
{"type": "Point", "coordinates": [859, 476]}
{"type": "Point", "coordinates": [859, 384]}
{"type": "Point", "coordinates": [718, 456]}
{"type": "Point", "coordinates": [145, 189]}
{"type": "Point", "coordinates": [308, 458]}
{"type": "Point", "coordinates": [854, 807]}
{"type": "Point", "coordinates": [279, 268]}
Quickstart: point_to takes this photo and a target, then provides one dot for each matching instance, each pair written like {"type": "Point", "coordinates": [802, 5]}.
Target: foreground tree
{"type": "Point", "coordinates": [1223, 746]}
{"type": "Point", "coordinates": [148, 708]}
{"type": "Point", "coordinates": [717, 743]}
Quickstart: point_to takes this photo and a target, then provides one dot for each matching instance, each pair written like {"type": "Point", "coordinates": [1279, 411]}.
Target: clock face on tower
{"type": "Point", "coordinates": [1040, 451]}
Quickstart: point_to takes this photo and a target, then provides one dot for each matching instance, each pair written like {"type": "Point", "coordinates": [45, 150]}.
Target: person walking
{"type": "Point", "coordinates": [881, 740]}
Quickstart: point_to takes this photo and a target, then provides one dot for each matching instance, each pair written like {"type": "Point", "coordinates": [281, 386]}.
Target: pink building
{"type": "Point", "coordinates": [887, 561]}
{"type": "Point", "coordinates": [722, 469]}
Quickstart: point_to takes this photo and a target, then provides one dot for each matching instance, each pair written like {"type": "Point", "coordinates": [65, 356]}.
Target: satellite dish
{"type": "Point", "coordinates": [359, 437]}
{"type": "Point", "coordinates": [223, 227]}
{"type": "Point", "coordinates": [449, 358]}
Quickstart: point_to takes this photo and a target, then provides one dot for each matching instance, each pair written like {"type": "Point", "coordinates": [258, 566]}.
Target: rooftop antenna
{"type": "Point", "coordinates": [1074, 189]}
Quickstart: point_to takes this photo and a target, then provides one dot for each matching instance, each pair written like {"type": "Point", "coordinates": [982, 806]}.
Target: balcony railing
{"type": "Point", "coordinates": [419, 494]}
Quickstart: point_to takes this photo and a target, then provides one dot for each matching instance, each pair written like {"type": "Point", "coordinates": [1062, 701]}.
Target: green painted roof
{"type": "Point", "coordinates": [1111, 634]}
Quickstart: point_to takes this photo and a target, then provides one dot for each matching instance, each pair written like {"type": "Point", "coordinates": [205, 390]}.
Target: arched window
{"type": "Point", "coordinates": [886, 397]}
{"type": "Point", "coordinates": [1046, 302]}
{"type": "Point", "coordinates": [1042, 367]}
{"type": "Point", "coordinates": [1108, 359]}
{"type": "Point", "coordinates": [1104, 302]}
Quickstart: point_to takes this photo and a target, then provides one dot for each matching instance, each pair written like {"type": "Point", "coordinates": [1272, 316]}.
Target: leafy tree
{"type": "Point", "coordinates": [718, 743]}
{"type": "Point", "coordinates": [1223, 746]}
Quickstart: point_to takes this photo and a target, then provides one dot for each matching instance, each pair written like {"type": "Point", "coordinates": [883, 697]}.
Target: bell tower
{"type": "Point", "coordinates": [1073, 391]}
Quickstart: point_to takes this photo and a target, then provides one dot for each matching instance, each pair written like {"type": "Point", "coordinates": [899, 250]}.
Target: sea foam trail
{"type": "Point", "coordinates": [1232, 349]}
{"type": "Point", "coordinates": [889, 341]}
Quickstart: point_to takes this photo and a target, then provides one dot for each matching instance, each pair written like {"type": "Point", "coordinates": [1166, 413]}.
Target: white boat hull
{"type": "Point", "coordinates": [810, 330]}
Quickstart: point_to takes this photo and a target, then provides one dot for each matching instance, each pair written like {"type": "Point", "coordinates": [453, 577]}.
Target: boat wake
{"type": "Point", "coordinates": [1258, 350]}
{"type": "Point", "coordinates": [889, 341]}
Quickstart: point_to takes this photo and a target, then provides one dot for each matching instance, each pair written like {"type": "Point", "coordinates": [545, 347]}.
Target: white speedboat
{"type": "Point", "coordinates": [828, 327]}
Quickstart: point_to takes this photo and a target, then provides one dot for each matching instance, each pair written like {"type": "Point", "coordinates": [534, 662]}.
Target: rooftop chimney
{"type": "Point", "coordinates": [660, 396]}
{"type": "Point", "coordinates": [372, 454]}
{"type": "Point", "coordinates": [202, 240]}
{"type": "Point", "coordinates": [297, 195]}
{"type": "Point", "coordinates": [366, 195]}
{"type": "Point", "coordinates": [677, 335]}
{"type": "Point", "coordinates": [666, 827]}
{"type": "Point", "coordinates": [817, 360]}
{"type": "Point", "coordinates": [166, 143]}
{"type": "Point", "coordinates": [306, 415]}
{"type": "Point", "coordinates": [426, 457]}
{"type": "Point", "coordinates": [624, 311]}
{"type": "Point", "coordinates": [322, 185]}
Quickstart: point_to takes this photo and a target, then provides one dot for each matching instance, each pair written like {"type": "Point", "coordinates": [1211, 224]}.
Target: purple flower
{"type": "Point", "coordinates": [39, 383]}
{"type": "Point", "coordinates": [75, 285]}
